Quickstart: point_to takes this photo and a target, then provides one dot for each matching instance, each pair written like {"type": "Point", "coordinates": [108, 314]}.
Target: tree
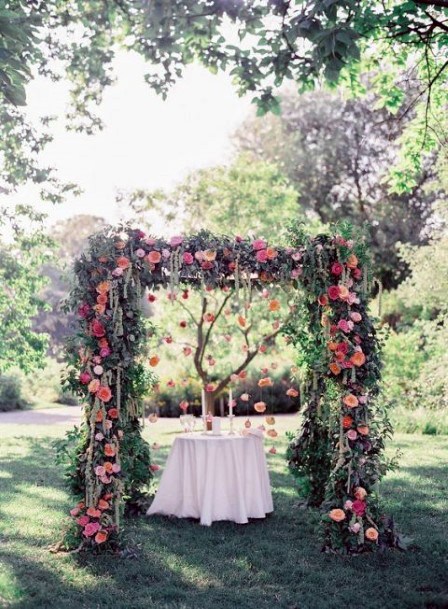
{"type": "Point", "coordinates": [337, 154]}
{"type": "Point", "coordinates": [262, 44]}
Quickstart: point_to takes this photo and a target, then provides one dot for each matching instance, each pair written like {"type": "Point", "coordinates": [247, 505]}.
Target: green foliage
{"type": "Point", "coordinates": [11, 394]}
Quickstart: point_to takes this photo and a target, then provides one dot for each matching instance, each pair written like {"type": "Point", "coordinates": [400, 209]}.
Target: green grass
{"type": "Point", "coordinates": [274, 563]}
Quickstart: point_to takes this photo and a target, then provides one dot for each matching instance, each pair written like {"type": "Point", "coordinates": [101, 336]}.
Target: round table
{"type": "Point", "coordinates": [215, 478]}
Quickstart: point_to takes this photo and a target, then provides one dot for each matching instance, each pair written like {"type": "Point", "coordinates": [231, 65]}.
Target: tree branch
{"type": "Point", "coordinates": [209, 330]}
{"type": "Point", "coordinates": [439, 3]}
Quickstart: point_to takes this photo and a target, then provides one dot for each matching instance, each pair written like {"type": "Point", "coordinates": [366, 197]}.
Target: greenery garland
{"type": "Point", "coordinates": [339, 449]}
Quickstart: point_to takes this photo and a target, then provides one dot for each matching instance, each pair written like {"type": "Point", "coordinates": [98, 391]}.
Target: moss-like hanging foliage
{"type": "Point", "coordinates": [337, 456]}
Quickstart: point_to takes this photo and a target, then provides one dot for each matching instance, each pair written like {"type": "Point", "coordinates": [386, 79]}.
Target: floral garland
{"type": "Point", "coordinates": [109, 368]}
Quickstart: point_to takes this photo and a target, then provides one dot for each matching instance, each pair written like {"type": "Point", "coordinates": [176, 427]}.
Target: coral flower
{"type": "Point", "coordinates": [355, 316]}
{"type": "Point", "coordinates": [360, 493]}
{"type": "Point", "coordinates": [347, 422]}
{"type": "Point", "coordinates": [91, 528]}
{"type": "Point", "coordinates": [101, 537]}
{"type": "Point", "coordinates": [363, 430]}
{"type": "Point", "coordinates": [271, 253]}
{"type": "Point", "coordinates": [102, 299]}
{"type": "Point", "coordinates": [272, 433]}
{"type": "Point", "coordinates": [335, 369]}
{"type": "Point", "coordinates": [103, 287]}
{"type": "Point", "coordinates": [332, 346]}
{"type": "Point", "coordinates": [187, 351]}
{"type": "Point", "coordinates": [350, 400]}
{"type": "Point", "coordinates": [93, 512]}
{"type": "Point", "coordinates": [270, 420]}
{"type": "Point", "coordinates": [93, 386]}
{"type": "Point", "coordinates": [154, 257]}
{"type": "Point", "coordinates": [108, 467]}
{"type": "Point", "coordinates": [99, 416]}
{"type": "Point", "coordinates": [272, 450]}
{"type": "Point", "coordinates": [260, 407]}
{"type": "Point", "coordinates": [103, 505]}
{"type": "Point", "coordinates": [241, 321]}
{"type": "Point", "coordinates": [112, 413]}
{"type": "Point", "coordinates": [343, 292]}
{"type": "Point", "coordinates": [104, 393]}
{"type": "Point", "coordinates": [265, 382]}
{"type": "Point", "coordinates": [352, 261]}
{"type": "Point", "coordinates": [123, 262]}
{"type": "Point", "coordinates": [259, 244]}
{"type": "Point", "coordinates": [292, 393]}
{"type": "Point", "coordinates": [242, 374]}
{"type": "Point", "coordinates": [274, 305]}
{"type": "Point", "coordinates": [371, 534]}
{"type": "Point", "coordinates": [323, 300]}
{"type": "Point", "coordinates": [337, 515]}
{"type": "Point", "coordinates": [109, 450]}
{"type": "Point", "coordinates": [358, 358]}
{"type": "Point", "coordinates": [154, 360]}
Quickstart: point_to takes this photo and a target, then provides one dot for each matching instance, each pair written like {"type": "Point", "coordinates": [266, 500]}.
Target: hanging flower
{"type": "Point", "coordinates": [112, 413]}
{"type": "Point", "coordinates": [265, 382]}
{"type": "Point", "coordinates": [360, 493]}
{"type": "Point", "coordinates": [272, 433]}
{"type": "Point", "coordinates": [210, 255]}
{"type": "Point", "coordinates": [93, 386]}
{"type": "Point", "coordinates": [123, 262]}
{"type": "Point", "coordinates": [184, 405]}
{"type": "Point", "coordinates": [208, 317]}
{"type": "Point", "coordinates": [101, 537]}
{"type": "Point", "coordinates": [355, 316]}
{"type": "Point", "coordinates": [343, 292]}
{"type": "Point", "coordinates": [323, 300]}
{"type": "Point", "coordinates": [272, 450]}
{"type": "Point", "coordinates": [210, 387]}
{"type": "Point", "coordinates": [363, 430]}
{"type": "Point", "coordinates": [171, 383]}
{"type": "Point", "coordinates": [245, 397]}
{"type": "Point", "coordinates": [187, 351]}
{"type": "Point", "coordinates": [335, 369]}
{"type": "Point", "coordinates": [154, 257]}
{"type": "Point", "coordinates": [358, 358]}
{"type": "Point", "coordinates": [337, 515]}
{"type": "Point", "coordinates": [154, 360]}
{"type": "Point", "coordinates": [274, 305]}
{"type": "Point", "coordinates": [85, 378]}
{"type": "Point", "coordinates": [347, 421]}
{"type": "Point", "coordinates": [241, 321]}
{"type": "Point", "coordinates": [359, 507]}
{"type": "Point", "coordinates": [271, 253]}
{"type": "Point", "coordinates": [292, 393]}
{"type": "Point", "coordinates": [90, 529]}
{"type": "Point", "coordinates": [270, 420]}
{"type": "Point", "coordinates": [352, 434]}
{"type": "Point", "coordinates": [260, 407]}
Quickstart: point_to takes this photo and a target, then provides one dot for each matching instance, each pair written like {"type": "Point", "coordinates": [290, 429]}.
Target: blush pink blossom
{"type": "Point", "coordinates": [98, 370]}
{"type": "Point", "coordinates": [83, 521]}
{"type": "Point", "coordinates": [296, 256]}
{"type": "Point", "coordinates": [348, 505]}
{"type": "Point", "coordinates": [118, 272]}
{"type": "Point", "coordinates": [91, 528]}
{"type": "Point", "coordinates": [166, 253]}
{"type": "Point", "coordinates": [105, 351]}
{"type": "Point", "coordinates": [99, 470]}
{"type": "Point", "coordinates": [150, 241]}
{"type": "Point", "coordinates": [140, 253]}
{"type": "Point", "coordinates": [262, 256]}
{"type": "Point", "coordinates": [352, 434]}
{"type": "Point", "coordinates": [362, 399]}
{"type": "Point", "coordinates": [296, 273]}
{"type": "Point", "coordinates": [259, 244]}
{"type": "Point", "coordinates": [199, 255]}
{"type": "Point", "coordinates": [99, 438]}
{"type": "Point", "coordinates": [116, 468]}
{"type": "Point", "coordinates": [355, 316]}
{"type": "Point", "coordinates": [188, 258]}
{"type": "Point", "coordinates": [176, 241]}
{"type": "Point", "coordinates": [106, 479]}
{"type": "Point", "coordinates": [352, 298]}
{"type": "Point", "coordinates": [355, 528]}
{"type": "Point", "coordinates": [154, 467]}
{"type": "Point", "coordinates": [75, 511]}
{"type": "Point", "coordinates": [343, 325]}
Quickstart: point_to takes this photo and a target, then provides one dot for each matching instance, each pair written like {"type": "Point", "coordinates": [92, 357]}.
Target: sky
{"type": "Point", "coordinates": [147, 143]}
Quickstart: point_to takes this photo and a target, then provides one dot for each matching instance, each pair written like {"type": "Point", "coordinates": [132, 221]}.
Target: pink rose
{"type": "Point", "coordinates": [116, 468]}
{"type": "Point", "coordinates": [83, 521]}
{"type": "Point", "coordinates": [99, 438]}
{"type": "Point", "coordinates": [100, 471]}
{"type": "Point", "coordinates": [343, 325]}
{"type": "Point", "coordinates": [333, 292]}
{"type": "Point", "coordinates": [199, 255]}
{"type": "Point", "coordinates": [352, 298]}
{"type": "Point", "coordinates": [140, 253]}
{"type": "Point", "coordinates": [166, 253]}
{"type": "Point", "coordinates": [352, 434]}
{"type": "Point", "coordinates": [85, 378]}
{"type": "Point", "coordinates": [259, 244]}
{"type": "Point", "coordinates": [296, 256]}
{"type": "Point", "coordinates": [355, 316]}
{"type": "Point", "coordinates": [359, 507]}
{"type": "Point", "coordinates": [357, 273]}
{"type": "Point", "coordinates": [262, 255]}
{"type": "Point", "coordinates": [75, 511]}
{"type": "Point", "coordinates": [362, 399]}
{"type": "Point", "coordinates": [296, 273]}
{"type": "Point", "coordinates": [355, 528]}
{"type": "Point", "coordinates": [98, 329]}
{"type": "Point", "coordinates": [176, 241]}
{"type": "Point", "coordinates": [337, 269]}
{"type": "Point", "coordinates": [105, 351]}
{"type": "Point", "coordinates": [348, 505]}
{"type": "Point", "coordinates": [184, 405]}
{"type": "Point", "coordinates": [106, 479]}
{"type": "Point", "coordinates": [118, 272]}
{"type": "Point", "coordinates": [151, 242]}
{"type": "Point", "coordinates": [154, 467]}
{"type": "Point", "coordinates": [210, 388]}
{"type": "Point", "coordinates": [91, 528]}
{"type": "Point", "coordinates": [188, 258]}
{"type": "Point", "coordinates": [98, 370]}
{"type": "Point", "coordinates": [96, 359]}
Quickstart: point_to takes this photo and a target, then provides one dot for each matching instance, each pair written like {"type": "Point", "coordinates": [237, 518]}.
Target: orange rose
{"type": "Point", "coordinates": [154, 360]}
{"type": "Point", "coordinates": [335, 368]}
{"type": "Point", "coordinates": [99, 416]}
{"type": "Point", "coordinates": [339, 356]}
{"type": "Point", "coordinates": [272, 433]}
{"type": "Point", "coordinates": [274, 305]}
{"type": "Point", "coordinates": [271, 253]}
{"type": "Point", "coordinates": [209, 255]}
{"type": "Point", "coordinates": [112, 413]}
{"type": "Point", "coordinates": [109, 450]}
{"type": "Point", "coordinates": [103, 343]}
{"type": "Point", "coordinates": [260, 407]}
{"type": "Point", "coordinates": [360, 493]}
{"type": "Point", "coordinates": [363, 430]}
{"type": "Point", "coordinates": [347, 422]}
{"type": "Point", "coordinates": [103, 505]}
{"type": "Point", "coordinates": [352, 261]}
{"type": "Point", "coordinates": [119, 245]}
{"type": "Point", "coordinates": [101, 537]}
{"type": "Point", "coordinates": [337, 515]}
{"type": "Point", "coordinates": [292, 393]}
{"type": "Point", "coordinates": [102, 299]}
{"type": "Point", "coordinates": [103, 287]}
{"type": "Point", "coordinates": [154, 257]}
{"type": "Point", "coordinates": [343, 292]}
{"type": "Point", "coordinates": [265, 382]}
{"type": "Point", "coordinates": [93, 512]}
{"type": "Point", "coordinates": [332, 346]}
{"type": "Point", "coordinates": [104, 394]}
{"type": "Point", "coordinates": [108, 467]}
{"type": "Point", "coordinates": [350, 400]}
{"type": "Point", "coordinates": [358, 358]}
{"type": "Point", "coordinates": [270, 420]}
{"type": "Point", "coordinates": [99, 308]}
{"type": "Point", "coordinates": [371, 534]}
{"type": "Point", "coordinates": [123, 262]}
{"type": "Point", "coordinates": [241, 321]}
{"type": "Point", "coordinates": [93, 386]}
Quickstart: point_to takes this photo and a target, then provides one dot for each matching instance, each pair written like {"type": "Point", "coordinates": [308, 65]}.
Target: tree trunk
{"type": "Point", "coordinates": [209, 403]}
{"type": "Point", "coordinates": [221, 406]}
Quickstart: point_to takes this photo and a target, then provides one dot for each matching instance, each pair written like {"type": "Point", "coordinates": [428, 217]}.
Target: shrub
{"type": "Point", "coordinates": [11, 394]}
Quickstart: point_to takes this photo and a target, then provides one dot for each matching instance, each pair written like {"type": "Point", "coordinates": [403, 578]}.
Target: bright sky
{"type": "Point", "coordinates": [147, 142]}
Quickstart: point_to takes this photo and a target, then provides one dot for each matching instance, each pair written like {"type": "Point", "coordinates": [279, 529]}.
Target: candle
{"type": "Point", "coordinates": [216, 426]}
{"type": "Point", "coordinates": [230, 402]}
{"type": "Point", "coordinates": [204, 413]}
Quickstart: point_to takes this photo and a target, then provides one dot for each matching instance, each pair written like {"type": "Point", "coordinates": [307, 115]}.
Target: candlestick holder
{"type": "Point", "coordinates": [231, 417]}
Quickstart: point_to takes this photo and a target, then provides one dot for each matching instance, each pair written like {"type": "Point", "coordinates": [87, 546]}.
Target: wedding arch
{"type": "Point", "coordinates": [336, 456]}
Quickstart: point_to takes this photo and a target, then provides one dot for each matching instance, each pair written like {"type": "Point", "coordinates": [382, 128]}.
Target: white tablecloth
{"type": "Point", "coordinates": [215, 478]}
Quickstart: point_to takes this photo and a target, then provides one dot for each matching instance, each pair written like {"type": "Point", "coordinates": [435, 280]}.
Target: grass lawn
{"type": "Point", "coordinates": [181, 565]}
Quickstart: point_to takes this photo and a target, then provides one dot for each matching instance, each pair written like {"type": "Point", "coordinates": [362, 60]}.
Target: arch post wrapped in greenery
{"type": "Point", "coordinates": [337, 456]}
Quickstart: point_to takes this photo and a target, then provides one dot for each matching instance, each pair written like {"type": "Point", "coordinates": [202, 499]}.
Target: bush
{"type": "Point", "coordinates": [420, 420]}
{"type": "Point", "coordinates": [11, 394]}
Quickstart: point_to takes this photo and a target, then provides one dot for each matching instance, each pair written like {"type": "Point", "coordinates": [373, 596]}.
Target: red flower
{"type": "Point", "coordinates": [98, 329]}
{"type": "Point", "coordinates": [151, 298]}
{"type": "Point", "coordinates": [323, 300]}
{"type": "Point", "coordinates": [112, 413]}
{"type": "Point", "coordinates": [357, 273]}
{"type": "Point", "coordinates": [206, 265]}
{"type": "Point", "coordinates": [359, 507]}
{"type": "Point", "coordinates": [262, 255]}
{"type": "Point", "coordinates": [188, 258]}
{"type": "Point", "coordinates": [342, 347]}
{"type": "Point", "coordinates": [333, 292]}
{"type": "Point", "coordinates": [337, 268]}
